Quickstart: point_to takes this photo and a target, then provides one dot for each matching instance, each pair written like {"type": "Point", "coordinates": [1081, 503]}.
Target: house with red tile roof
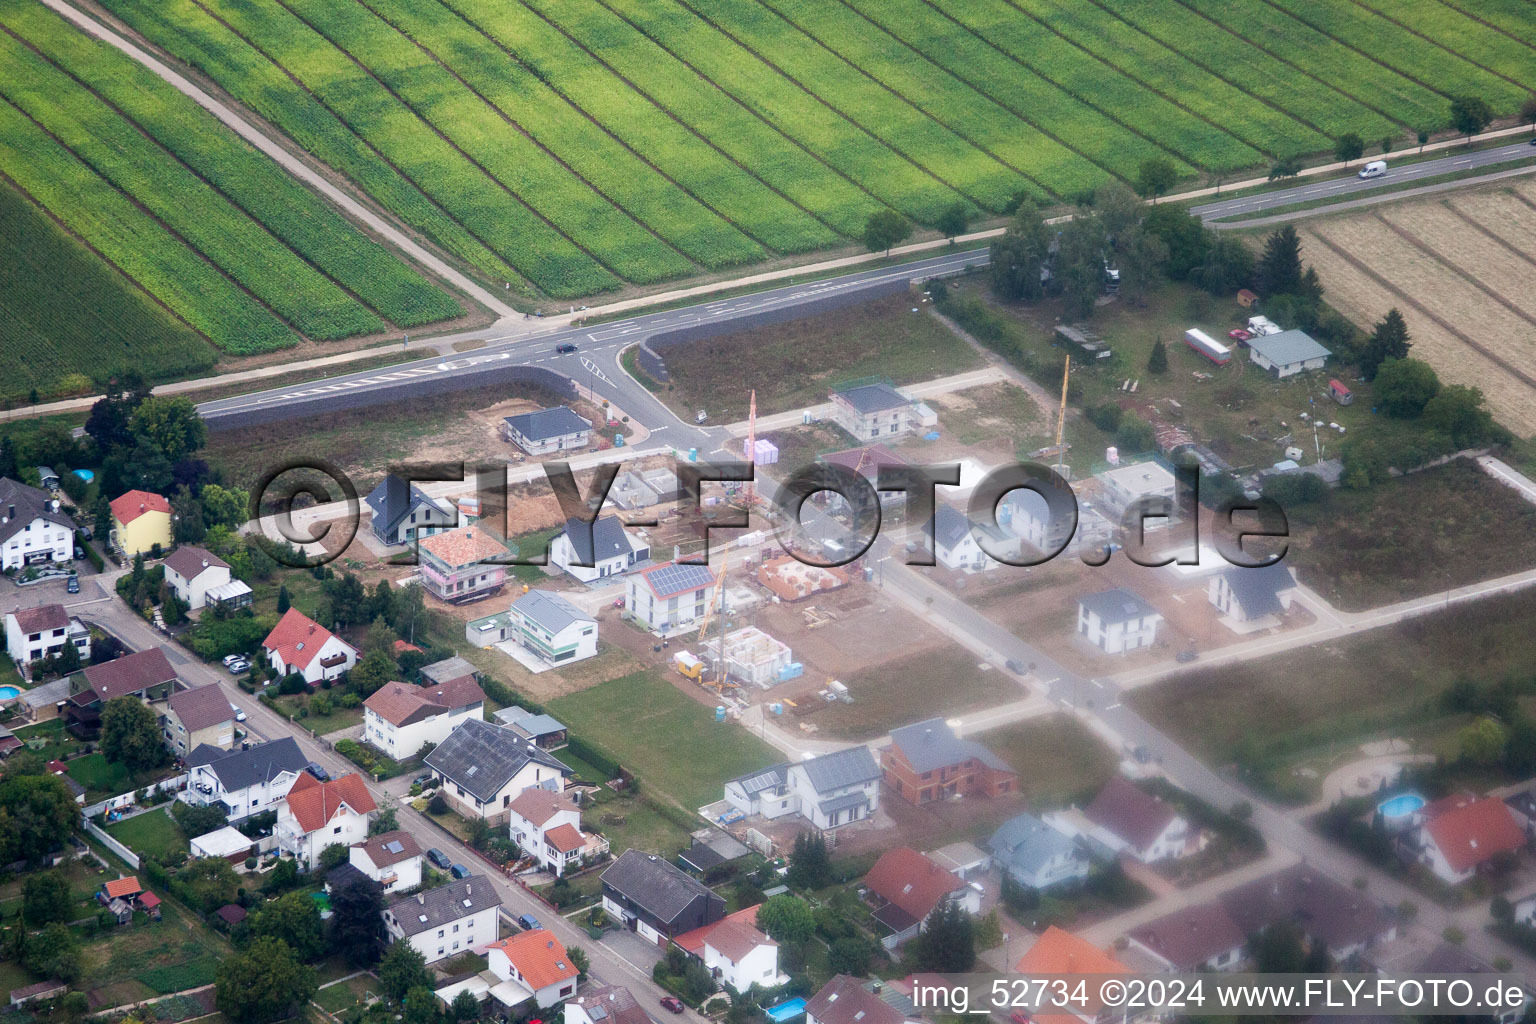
{"type": "Point", "coordinates": [400, 719]}
{"type": "Point", "coordinates": [535, 961]}
{"type": "Point", "coordinates": [141, 522]}
{"type": "Point", "coordinates": [457, 566]}
{"type": "Point", "coordinates": [904, 887]}
{"type": "Point", "coordinates": [393, 859]}
{"type": "Point", "coordinates": [736, 951]}
{"type": "Point", "coordinates": [608, 1004]}
{"type": "Point", "coordinates": [299, 644]}
{"type": "Point", "coordinates": [1060, 953]}
{"type": "Point", "coordinates": [1129, 820]}
{"type": "Point", "coordinates": [1201, 937]}
{"type": "Point", "coordinates": [845, 1000]}
{"type": "Point", "coordinates": [546, 826]}
{"type": "Point", "coordinates": [32, 634]}
{"type": "Point", "coordinates": [318, 814]}
{"type": "Point", "coordinates": [1461, 835]}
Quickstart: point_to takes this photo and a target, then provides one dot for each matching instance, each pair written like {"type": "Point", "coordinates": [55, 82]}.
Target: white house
{"type": "Point", "coordinates": [399, 719]}
{"type": "Point", "coordinates": [1253, 597]}
{"type": "Point", "coordinates": [483, 767]}
{"type": "Point", "coordinates": [548, 430]}
{"type": "Point", "coordinates": [873, 411]}
{"type": "Point", "coordinates": [243, 782]}
{"type": "Point", "coordinates": [537, 962]}
{"type": "Point", "coordinates": [1043, 526]}
{"type": "Point", "coordinates": [393, 859]}
{"type": "Point", "coordinates": [610, 551]}
{"type": "Point", "coordinates": [1202, 937]}
{"type": "Point", "coordinates": [1287, 353]}
{"type": "Point", "coordinates": [1461, 835]}
{"type": "Point", "coordinates": [828, 791]}
{"type": "Point", "coordinates": [447, 920]}
{"type": "Point", "coordinates": [318, 814]}
{"type": "Point", "coordinates": [957, 545]}
{"type": "Point", "coordinates": [546, 825]}
{"type": "Point", "coordinates": [42, 632]}
{"type": "Point", "coordinates": [1116, 621]}
{"type": "Point", "coordinates": [1129, 820]}
{"type": "Point", "coordinates": [607, 1004]}
{"type": "Point", "coordinates": [300, 644]}
{"type": "Point", "coordinates": [905, 887]}
{"type": "Point", "coordinates": [32, 529]}
{"type": "Point", "coordinates": [1124, 485]}
{"type": "Point", "coordinates": [1038, 855]}
{"type": "Point", "coordinates": [740, 956]}
{"type": "Point", "coordinates": [552, 628]}
{"type": "Point", "coordinates": [403, 512]}
{"type": "Point", "coordinates": [666, 598]}
{"type": "Point", "coordinates": [199, 577]}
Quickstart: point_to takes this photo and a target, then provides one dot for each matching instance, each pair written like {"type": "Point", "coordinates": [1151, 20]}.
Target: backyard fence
{"type": "Point", "coordinates": [100, 835]}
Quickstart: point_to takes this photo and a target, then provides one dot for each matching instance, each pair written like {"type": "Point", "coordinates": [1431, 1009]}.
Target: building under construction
{"type": "Point", "coordinates": [751, 657]}
{"type": "Point", "coordinates": [793, 580]}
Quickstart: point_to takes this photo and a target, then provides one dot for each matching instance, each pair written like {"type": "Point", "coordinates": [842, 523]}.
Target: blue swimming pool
{"type": "Point", "coordinates": [788, 1010]}
{"type": "Point", "coordinates": [9, 693]}
{"type": "Point", "coordinates": [85, 474]}
{"type": "Point", "coordinates": [1400, 806]}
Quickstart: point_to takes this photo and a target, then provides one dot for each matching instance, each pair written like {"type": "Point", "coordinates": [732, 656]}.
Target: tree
{"type": "Point", "coordinates": [1185, 236]}
{"type": "Point", "coordinates": [1386, 144]}
{"type": "Point", "coordinates": [947, 943]}
{"type": "Point", "coordinates": [371, 673]}
{"type": "Point", "coordinates": [1423, 136]}
{"type": "Point", "coordinates": [284, 602]}
{"type": "Point", "coordinates": [45, 898]}
{"type": "Point", "coordinates": [1080, 265]}
{"type": "Point", "coordinates": [1457, 411]}
{"type": "Point", "coordinates": [129, 734]}
{"type": "Point", "coordinates": [357, 923]}
{"type": "Point", "coordinates": [1155, 177]}
{"type": "Point", "coordinates": [208, 883]}
{"type": "Point", "coordinates": [1119, 209]}
{"type": "Point", "coordinates": [37, 813]}
{"type": "Point", "coordinates": [1134, 435]}
{"type": "Point", "coordinates": [787, 919]}
{"type": "Point", "coordinates": [1157, 362]}
{"type": "Point", "coordinates": [420, 1005]}
{"type": "Point", "coordinates": [1228, 266]}
{"type": "Point", "coordinates": [172, 424]}
{"type": "Point", "coordinates": [402, 969]}
{"type": "Point", "coordinates": [53, 953]}
{"type": "Point", "coordinates": [1285, 167]}
{"type": "Point", "coordinates": [1279, 948]}
{"type": "Point", "coordinates": [884, 229]}
{"type": "Point", "coordinates": [1388, 340]}
{"type": "Point", "coordinates": [809, 865]}
{"type": "Point", "coordinates": [224, 506]}
{"type": "Point", "coordinates": [187, 517]}
{"type": "Point", "coordinates": [1470, 115]}
{"type": "Point", "coordinates": [8, 463]}
{"type": "Point", "coordinates": [1482, 742]}
{"type": "Point", "coordinates": [1349, 147]}
{"type": "Point", "coordinates": [465, 1007]}
{"type": "Point", "coordinates": [333, 856]}
{"type": "Point", "coordinates": [1019, 256]}
{"type": "Point", "coordinates": [580, 961]}
{"type": "Point", "coordinates": [1279, 267]}
{"type": "Point", "coordinates": [386, 821]}
{"type": "Point", "coordinates": [953, 220]}
{"type": "Point", "coordinates": [1405, 386]}
{"type": "Point", "coordinates": [294, 918]}
{"type": "Point", "coordinates": [1143, 259]}
{"type": "Point", "coordinates": [264, 983]}
{"type": "Point", "coordinates": [850, 955]}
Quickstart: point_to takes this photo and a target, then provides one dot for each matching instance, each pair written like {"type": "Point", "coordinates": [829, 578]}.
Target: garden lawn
{"type": "Point", "coordinates": [1058, 760]}
{"type": "Point", "coordinates": [670, 741]}
{"type": "Point", "coordinates": [943, 681]}
{"type": "Point", "coordinates": [153, 833]}
{"type": "Point", "coordinates": [99, 776]}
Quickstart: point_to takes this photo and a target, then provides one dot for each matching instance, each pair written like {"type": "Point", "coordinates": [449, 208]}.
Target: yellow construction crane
{"type": "Point", "coordinates": [1061, 412]}
{"type": "Point", "coordinates": [716, 609]}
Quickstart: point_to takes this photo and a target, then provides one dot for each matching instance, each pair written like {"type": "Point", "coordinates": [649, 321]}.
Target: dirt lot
{"type": "Point", "coordinates": [1462, 271]}
{"type": "Point", "coordinates": [795, 364]}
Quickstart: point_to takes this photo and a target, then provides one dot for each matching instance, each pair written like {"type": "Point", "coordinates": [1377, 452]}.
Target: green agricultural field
{"type": "Point", "coordinates": [569, 147]}
{"type": "Point", "coordinates": [63, 312]}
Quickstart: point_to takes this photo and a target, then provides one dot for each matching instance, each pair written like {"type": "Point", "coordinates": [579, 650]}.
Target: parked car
{"type": "Point", "coordinates": [238, 666]}
{"type": "Point", "coordinates": [672, 1003]}
{"type": "Point", "coordinates": [239, 713]}
{"type": "Point", "coordinates": [528, 922]}
{"type": "Point", "coordinates": [73, 586]}
{"type": "Point", "coordinates": [1017, 667]}
{"type": "Point", "coordinates": [230, 659]}
{"type": "Point", "coordinates": [79, 552]}
{"type": "Point", "coordinates": [459, 871]}
{"type": "Point", "coordinates": [1184, 657]}
{"type": "Point", "coordinates": [318, 772]}
{"type": "Point", "coordinates": [424, 781]}
{"type": "Point", "coordinates": [565, 348]}
{"type": "Point", "coordinates": [439, 858]}
{"type": "Point", "coordinates": [85, 531]}
{"type": "Point", "coordinates": [1238, 334]}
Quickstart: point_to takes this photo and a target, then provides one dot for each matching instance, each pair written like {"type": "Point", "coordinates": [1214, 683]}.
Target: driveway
{"type": "Point", "coordinates": [632, 949]}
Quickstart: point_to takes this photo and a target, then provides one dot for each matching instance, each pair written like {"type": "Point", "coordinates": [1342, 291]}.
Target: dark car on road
{"type": "Point", "coordinates": [528, 922]}
{"type": "Point", "coordinates": [459, 871]}
{"type": "Point", "coordinates": [439, 858]}
{"type": "Point", "coordinates": [565, 348]}
{"type": "Point", "coordinates": [73, 586]}
{"type": "Point", "coordinates": [672, 1003]}
{"type": "Point", "coordinates": [318, 772]}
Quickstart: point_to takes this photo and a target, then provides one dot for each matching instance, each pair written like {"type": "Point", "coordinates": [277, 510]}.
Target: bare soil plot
{"type": "Point", "coordinates": [1365, 299]}
{"type": "Point", "coordinates": [1468, 251]}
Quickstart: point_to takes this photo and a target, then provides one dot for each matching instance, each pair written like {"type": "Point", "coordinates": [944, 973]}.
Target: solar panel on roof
{"type": "Point", "coordinates": [672, 579]}
{"type": "Point", "coordinates": [394, 846]}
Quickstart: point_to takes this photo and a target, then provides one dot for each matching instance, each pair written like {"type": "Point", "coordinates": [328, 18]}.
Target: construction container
{"type": "Point", "coordinates": [687, 665]}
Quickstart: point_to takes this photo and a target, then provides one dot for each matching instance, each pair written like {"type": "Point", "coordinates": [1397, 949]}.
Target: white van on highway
{"type": "Point", "coordinates": [1374, 169]}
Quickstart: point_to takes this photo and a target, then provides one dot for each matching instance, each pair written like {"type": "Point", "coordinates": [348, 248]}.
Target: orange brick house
{"type": "Point", "coordinates": [927, 762]}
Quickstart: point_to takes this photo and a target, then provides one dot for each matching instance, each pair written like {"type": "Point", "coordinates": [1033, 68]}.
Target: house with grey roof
{"type": "Point", "coordinates": [1251, 599]}
{"type": "Point", "coordinates": [552, 629]}
{"type": "Point", "coordinates": [402, 512]}
{"type": "Point", "coordinates": [668, 598]}
{"type": "Point", "coordinates": [1116, 621]}
{"type": "Point", "coordinates": [32, 529]}
{"type": "Point", "coordinates": [548, 430]}
{"type": "Point", "coordinates": [874, 411]}
{"type": "Point", "coordinates": [927, 761]}
{"type": "Point", "coordinates": [483, 767]}
{"type": "Point", "coordinates": [605, 550]}
{"type": "Point", "coordinates": [829, 791]}
{"type": "Point", "coordinates": [445, 921]}
{"type": "Point", "coordinates": [243, 782]}
{"type": "Point", "coordinates": [957, 542]}
{"type": "Point", "coordinates": [1287, 353]}
{"type": "Point", "coordinates": [1037, 855]}
{"type": "Point", "coordinates": [545, 730]}
{"type": "Point", "coordinates": [657, 900]}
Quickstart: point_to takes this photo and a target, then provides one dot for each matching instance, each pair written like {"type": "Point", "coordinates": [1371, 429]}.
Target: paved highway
{"type": "Point", "coordinates": [593, 364]}
{"type": "Point", "coordinates": [1353, 184]}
